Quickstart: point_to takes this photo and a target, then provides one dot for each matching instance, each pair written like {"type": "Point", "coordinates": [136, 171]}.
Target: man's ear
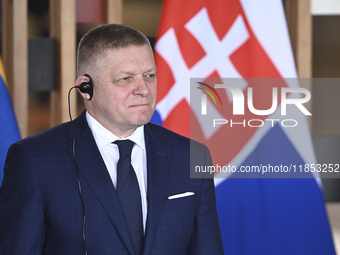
{"type": "Point", "coordinates": [85, 86]}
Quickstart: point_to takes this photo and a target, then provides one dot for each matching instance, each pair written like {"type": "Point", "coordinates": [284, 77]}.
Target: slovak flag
{"type": "Point", "coordinates": [9, 132]}
{"type": "Point", "coordinates": [242, 39]}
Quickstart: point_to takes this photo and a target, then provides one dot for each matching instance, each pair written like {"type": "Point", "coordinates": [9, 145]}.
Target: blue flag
{"type": "Point", "coordinates": [9, 132]}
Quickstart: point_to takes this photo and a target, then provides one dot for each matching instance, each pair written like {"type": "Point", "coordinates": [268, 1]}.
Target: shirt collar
{"type": "Point", "coordinates": [104, 137]}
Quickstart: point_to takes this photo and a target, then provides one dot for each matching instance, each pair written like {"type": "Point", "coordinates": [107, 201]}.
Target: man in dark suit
{"type": "Point", "coordinates": [63, 190]}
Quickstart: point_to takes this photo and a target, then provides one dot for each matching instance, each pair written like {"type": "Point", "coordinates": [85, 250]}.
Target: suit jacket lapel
{"type": "Point", "coordinates": [92, 167]}
{"type": "Point", "coordinates": [158, 163]}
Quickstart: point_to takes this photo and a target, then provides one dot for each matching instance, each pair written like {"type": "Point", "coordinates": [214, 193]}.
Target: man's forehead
{"type": "Point", "coordinates": [129, 46]}
{"type": "Point", "coordinates": [123, 61]}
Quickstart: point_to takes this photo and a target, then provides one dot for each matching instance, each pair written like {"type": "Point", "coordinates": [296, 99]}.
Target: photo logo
{"type": "Point", "coordinates": [280, 100]}
{"type": "Point", "coordinates": [204, 97]}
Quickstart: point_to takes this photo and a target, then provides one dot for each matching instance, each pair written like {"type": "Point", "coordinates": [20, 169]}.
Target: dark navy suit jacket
{"type": "Point", "coordinates": [41, 210]}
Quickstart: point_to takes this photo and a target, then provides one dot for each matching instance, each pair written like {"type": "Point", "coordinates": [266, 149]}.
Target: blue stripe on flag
{"type": "Point", "coordinates": [273, 216]}
{"type": "Point", "coordinates": [156, 118]}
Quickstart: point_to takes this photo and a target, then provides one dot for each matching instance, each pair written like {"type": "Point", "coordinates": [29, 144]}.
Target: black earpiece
{"type": "Point", "coordinates": [87, 87]}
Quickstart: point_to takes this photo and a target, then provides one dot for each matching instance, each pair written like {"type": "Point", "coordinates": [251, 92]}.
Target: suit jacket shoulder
{"type": "Point", "coordinates": [56, 135]}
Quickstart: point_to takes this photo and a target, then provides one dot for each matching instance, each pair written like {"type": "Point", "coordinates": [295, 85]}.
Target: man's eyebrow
{"type": "Point", "coordinates": [124, 72]}
{"type": "Point", "coordinates": [153, 69]}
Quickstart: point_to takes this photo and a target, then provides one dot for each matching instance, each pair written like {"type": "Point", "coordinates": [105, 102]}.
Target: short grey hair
{"type": "Point", "coordinates": [105, 37]}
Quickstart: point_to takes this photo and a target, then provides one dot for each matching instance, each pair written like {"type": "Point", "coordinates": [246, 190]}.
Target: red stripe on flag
{"type": "Point", "coordinates": [179, 115]}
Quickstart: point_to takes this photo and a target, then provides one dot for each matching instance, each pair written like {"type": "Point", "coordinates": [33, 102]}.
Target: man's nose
{"type": "Point", "coordinates": [142, 87]}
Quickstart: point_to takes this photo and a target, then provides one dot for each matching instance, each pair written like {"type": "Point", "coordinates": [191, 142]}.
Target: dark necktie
{"type": "Point", "coordinates": [129, 194]}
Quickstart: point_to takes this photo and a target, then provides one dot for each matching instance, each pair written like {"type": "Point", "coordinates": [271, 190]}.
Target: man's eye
{"type": "Point", "coordinates": [123, 81]}
{"type": "Point", "coordinates": [151, 75]}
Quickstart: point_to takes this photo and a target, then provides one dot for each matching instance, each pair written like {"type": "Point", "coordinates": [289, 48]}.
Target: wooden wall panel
{"type": "Point", "coordinates": [15, 57]}
{"type": "Point", "coordinates": [63, 29]}
{"type": "Point", "coordinates": [113, 11]}
{"type": "Point", "coordinates": [299, 21]}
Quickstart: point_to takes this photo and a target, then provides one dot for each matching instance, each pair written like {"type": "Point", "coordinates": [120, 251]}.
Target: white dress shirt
{"type": "Point", "coordinates": [110, 154]}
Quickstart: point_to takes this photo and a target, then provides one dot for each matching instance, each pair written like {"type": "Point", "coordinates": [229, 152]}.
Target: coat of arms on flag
{"type": "Point", "coordinates": [244, 44]}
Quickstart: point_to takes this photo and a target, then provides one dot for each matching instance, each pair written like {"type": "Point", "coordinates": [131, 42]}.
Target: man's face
{"type": "Point", "coordinates": [125, 89]}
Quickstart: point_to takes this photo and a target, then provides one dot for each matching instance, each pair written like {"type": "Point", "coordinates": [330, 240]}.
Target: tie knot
{"type": "Point", "coordinates": [124, 147]}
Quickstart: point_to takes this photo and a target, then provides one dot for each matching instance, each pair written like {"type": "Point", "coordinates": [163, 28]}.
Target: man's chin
{"type": "Point", "coordinates": [144, 118]}
{"type": "Point", "coordinates": [142, 121]}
